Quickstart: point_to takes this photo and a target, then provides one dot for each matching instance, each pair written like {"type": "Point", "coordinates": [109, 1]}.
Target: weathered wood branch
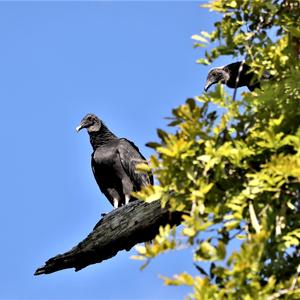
{"type": "Point", "coordinates": [119, 230]}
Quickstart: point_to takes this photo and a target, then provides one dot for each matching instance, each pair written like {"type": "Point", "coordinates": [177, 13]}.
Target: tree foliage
{"type": "Point", "coordinates": [233, 164]}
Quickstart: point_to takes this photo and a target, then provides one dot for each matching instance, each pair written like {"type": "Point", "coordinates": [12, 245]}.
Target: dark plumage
{"type": "Point", "coordinates": [114, 162]}
{"type": "Point", "coordinates": [228, 75]}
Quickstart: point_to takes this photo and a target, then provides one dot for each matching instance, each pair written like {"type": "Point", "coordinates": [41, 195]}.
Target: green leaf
{"type": "Point", "coordinates": [153, 145]}
{"type": "Point", "coordinates": [203, 61]}
{"type": "Point", "coordinates": [199, 38]}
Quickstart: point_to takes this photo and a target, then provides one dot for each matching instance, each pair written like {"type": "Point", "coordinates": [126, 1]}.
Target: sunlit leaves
{"type": "Point", "coordinates": [181, 279]}
{"type": "Point", "coordinates": [232, 167]}
{"type": "Point", "coordinates": [164, 241]}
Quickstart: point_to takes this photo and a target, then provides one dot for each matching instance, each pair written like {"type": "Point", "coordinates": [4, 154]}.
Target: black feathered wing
{"type": "Point", "coordinates": [130, 157]}
{"type": "Point", "coordinates": [106, 178]}
{"type": "Point", "coordinates": [246, 76]}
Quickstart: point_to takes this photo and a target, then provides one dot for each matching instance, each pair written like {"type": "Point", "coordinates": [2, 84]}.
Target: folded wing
{"type": "Point", "coordinates": [130, 157]}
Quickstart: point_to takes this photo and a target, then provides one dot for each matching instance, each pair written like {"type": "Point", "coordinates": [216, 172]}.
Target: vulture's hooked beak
{"type": "Point", "coordinates": [78, 128]}
{"type": "Point", "coordinates": [208, 84]}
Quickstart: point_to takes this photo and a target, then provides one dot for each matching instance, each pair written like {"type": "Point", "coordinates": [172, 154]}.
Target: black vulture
{"type": "Point", "coordinates": [114, 162]}
{"type": "Point", "coordinates": [228, 75]}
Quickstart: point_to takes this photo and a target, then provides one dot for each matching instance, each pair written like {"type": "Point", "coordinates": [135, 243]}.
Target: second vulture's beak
{"type": "Point", "coordinates": [208, 84]}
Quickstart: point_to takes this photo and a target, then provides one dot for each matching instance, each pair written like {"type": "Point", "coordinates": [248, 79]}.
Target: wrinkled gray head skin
{"type": "Point", "coordinates": [216, 75]}
{"type": "Point", "coordinates": [91, 122]}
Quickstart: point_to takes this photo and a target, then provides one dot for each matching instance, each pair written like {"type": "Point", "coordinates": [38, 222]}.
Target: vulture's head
{"type": "Point", "coordinates": [91, 122]}
{"type": "Point", "coordinates": [216, 75]}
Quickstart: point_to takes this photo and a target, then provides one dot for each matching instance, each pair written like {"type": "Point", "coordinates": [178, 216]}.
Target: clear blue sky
{"type": "Point", "coordinates": [128, 62]}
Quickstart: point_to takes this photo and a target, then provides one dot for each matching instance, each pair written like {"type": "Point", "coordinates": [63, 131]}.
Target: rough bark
{"type": "Point", "coordinates": [119, 230]}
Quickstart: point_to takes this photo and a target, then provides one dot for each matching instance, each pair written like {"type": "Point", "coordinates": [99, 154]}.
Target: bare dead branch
{"type": "Point", "coordinates": [119, 230]}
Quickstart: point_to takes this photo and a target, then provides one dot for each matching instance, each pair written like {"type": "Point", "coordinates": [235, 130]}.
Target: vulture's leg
{"type": "Point", "coordinates": [116, 203]}
{"type": "Point", "coordinates": [127, 188]}
{"type": "Point", "coordinates": [127, 198]}
{"type": "Point", "coordinates": [114, 197]}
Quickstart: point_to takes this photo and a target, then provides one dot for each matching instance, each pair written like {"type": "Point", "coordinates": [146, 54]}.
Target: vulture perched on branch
{"type": "Point", "coordinates": [233, 75]}
{"type": "Point", "coordinates": [114, 162]}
